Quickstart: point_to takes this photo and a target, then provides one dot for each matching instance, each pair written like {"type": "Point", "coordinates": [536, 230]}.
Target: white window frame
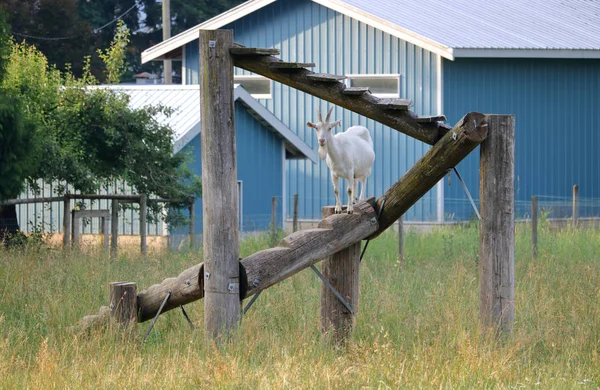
{"type": "Point", "coordinates": [237, 78]}
{"type": "Point", "coordinates": [396, 76]}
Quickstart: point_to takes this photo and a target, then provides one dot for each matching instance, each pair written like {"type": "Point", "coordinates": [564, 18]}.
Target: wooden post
{"type": "Point", "coordinates": [143, 228]}
{"type": "Point", "coordinates": [295, 223]}
{"type": "Point", "coordinates": [67, 222]}
{"type": "Point", "coordinates": [274, 221]}
{"type": "Point", "coordinates": [534, 226]}
{"type": "Point", "coordinates": [401, 241]}
{"type": "Point", "coordinates": [114, 228]}
{"type": "Point", "coordinates": [76, 229]}
{"type": "Point", "coordinates": [497, 234]}
{"type": "Point", "coordinates": [342, 271]}
{"type": "Point", "coordinates": [192, 209]}
{"type": "Point", "coordinates": [219, 182]}
{"type": "Point", "coordinates": [123, 302]}
{"type": "Point", "coordinates": [105, 233]}
{"type": "Point", "coordinates": [575, 205]}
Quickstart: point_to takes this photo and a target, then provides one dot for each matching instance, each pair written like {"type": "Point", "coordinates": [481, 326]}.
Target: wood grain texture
{"type": "Point", "coordinates": [123, 302]}
{"type": "Point", "coordinates": [114, 228]}
{"type": "Point", "coordinates": [364, 104]}
{"type": "Point", "coordinates": [496, 229]}
{"type": "Point", "coordinates": [469, 132]}
{"type": "Point", "coordinates": [325, 77]}
{"type": "Point", "coordinates": [219, 184]}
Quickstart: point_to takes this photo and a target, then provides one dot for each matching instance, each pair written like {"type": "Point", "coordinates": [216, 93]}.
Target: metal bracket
{"type": "Point", "coordinates": [249, 305]}
{"type": "Point", "coordinates": [378, 215]}
{"type": "Point", "coordinates": [187, 318]}
{"type": "Point", "coordinates": [212, 43]}
{"type": "Point", "coordinates": [468, 193]}
{"type": "Point", "coordinates": [333, 290]}
{"type": "Point", "coordinates": [160, 309]}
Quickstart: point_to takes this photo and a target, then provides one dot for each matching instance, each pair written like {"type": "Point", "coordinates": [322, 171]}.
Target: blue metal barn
{"type": "Point", "coordinates": [540, 62]}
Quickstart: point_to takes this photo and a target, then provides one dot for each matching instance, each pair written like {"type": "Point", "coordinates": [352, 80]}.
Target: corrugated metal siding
{"type": "Point", "coordinates": [555, 103]}
{"type": "Point", "coordinates": [260, 169]}
{"type": "Point", "coordinates": [306, 31]}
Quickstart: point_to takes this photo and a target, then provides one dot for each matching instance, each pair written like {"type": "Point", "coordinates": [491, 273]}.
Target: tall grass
{"type": "Point", "coordinates": [417, 325]}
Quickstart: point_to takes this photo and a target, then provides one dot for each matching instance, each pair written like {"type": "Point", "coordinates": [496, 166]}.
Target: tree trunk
{"type": "Point", "coordinates": [10, 232]}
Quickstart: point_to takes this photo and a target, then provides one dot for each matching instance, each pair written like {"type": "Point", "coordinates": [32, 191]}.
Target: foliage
{"type": "Point", "coordinates": [114, 56]}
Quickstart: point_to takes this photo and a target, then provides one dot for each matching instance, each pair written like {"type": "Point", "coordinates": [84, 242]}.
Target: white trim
{"type": "Point", "coordinates": [395, 76]}
{"type": "Point", "coordinates": [183, 68]}
{"type": "Point", "coordinates": [440, 111]}
{"type": "Point", "coordinates": [283, 183]}
{"type": "Point", "coordinates": [191, 34]}
{"type": "Point", "coordinates": [527, 53]}
{"type": "Point", "coordinates": [238, 78]}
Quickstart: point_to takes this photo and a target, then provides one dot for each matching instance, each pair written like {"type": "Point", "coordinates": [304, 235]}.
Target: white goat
{"type": "Point", "coordinates": [348, 155]}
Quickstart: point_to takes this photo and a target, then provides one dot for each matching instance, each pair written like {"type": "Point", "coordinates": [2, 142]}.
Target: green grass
{"type": "Point", "coordinates": [417, 326]}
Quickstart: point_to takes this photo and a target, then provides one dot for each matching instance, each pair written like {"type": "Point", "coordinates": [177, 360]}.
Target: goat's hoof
{"type": "Point", "coordinates": [350, 211]}
{"type": "Point", "coordinates": [338, 210]}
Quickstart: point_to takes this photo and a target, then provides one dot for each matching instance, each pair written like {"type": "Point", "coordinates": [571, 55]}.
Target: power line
{"type": "Point", "coordinates": [94, 31]}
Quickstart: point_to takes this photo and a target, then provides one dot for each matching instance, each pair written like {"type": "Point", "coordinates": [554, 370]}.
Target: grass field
{"type": "Point", "coordinates": [417, 326]}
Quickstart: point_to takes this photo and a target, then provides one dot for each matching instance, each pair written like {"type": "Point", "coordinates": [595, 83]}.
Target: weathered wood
{"type": "Point", "coordinates": [366, 104]}
{"type": "Point", "coordinates": [105, 233]}
{"type": "Point", "coordinates": [76, 229]}
{"type": "Point", "coordinates": [325, 78]}
{"type": "Point", "coordinates": [575, 209]}
{"type": "Point", "coordinates": [427, 119]}
{"type": "Point", "coordinates": [123, 302]}
{"type": "Point", "coordinates": [306, 247]}
{"type": "Point", "coordinates": [355, 90]}
{"type": "Point", "coordinates": [291, 65]}
{"type": "Point", "coordinates": [253, 51]}
{"type": "Point", "coordinates": [534, 226]}
{"type": "Point", "coordinates": [401, 241]}
{"type": "Point", "coordinates": [342, 271]}
{"type": "Point", "coordinates": [185, 288]}
{"type": "Point", "coordinates": [273, 221]}
{"type": "Point", "coordinates": [143, 225]}
{"type": "Point", "coordinates": [66, 223]}
{"type": "Point", "coordinates": [114, 229]}
{"type": "Point", "coordinates": [497, 234]}
{"type": "Point", "coordinates": [133, 198]}
{"type": "Point", "coordinates": [295, 220]}
{"type": "Point", "coordinates": [395, 104]}
{"type": "Point", "coordinates": [48, 199]}
{"type": "Point", "coordinates": [219, 183]}
{"type": "Point", "coordinates": [469, 132]}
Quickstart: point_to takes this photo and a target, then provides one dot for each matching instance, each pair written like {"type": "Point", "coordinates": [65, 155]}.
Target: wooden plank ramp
{"type": "Point", "coordinates": [326, 78]}
{"type": "Point", "coordinates": [428, 119]}
{"type": "Point", "coordinates": [355, 90]}
{"type": "Point", "coordinates": [395, 104]}
{"type": "Point", "coordinates": [253, 51]}
{"type": "Point", "coordinates": [291, 65]}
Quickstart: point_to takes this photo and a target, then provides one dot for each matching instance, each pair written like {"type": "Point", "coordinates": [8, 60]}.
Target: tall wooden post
{"type": "Point", "coordinates": [143, 227]}
{"type": "Point", "coordinates": [123, 302]}
{"type": "Point", "coordinates": [66, 222]}
{"type": "Point", "coordinates": [76, 229]}
{"type": "Point", "coordinates": [342, 271]}
{"type": "Point", "coordinates": [219, 183]}
{"type": "Point", "coordinates": [114, 228]}
{"type": "Point", "coordinates": [497, 234]}
{"type": "Point", "coordinates": [575, 205]}
{"type": "Point", "coordinates": [534, 226]}
{"type": "Point", "coordinates": [105, 233]}
{"type": "Point", "coordinates": [295, 221]}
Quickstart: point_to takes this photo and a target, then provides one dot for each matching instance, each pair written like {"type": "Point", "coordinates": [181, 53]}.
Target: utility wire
{"type": "Point", "coordinates": [94, 31]}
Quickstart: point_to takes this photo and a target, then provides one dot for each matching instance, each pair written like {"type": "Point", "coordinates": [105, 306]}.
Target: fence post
{"type": "Point", "coordinates": [575, 205]}
{"type": "Point", "coordinates": [143, 225]}
{"type": "Point", "coordinates": [274, 221]}
{"type": "Point", "coordinates": [66, 222]}
{"type": "Point", "coordinates": [114, 228]}
{"type": "Point", "coordinates": [219, 183]}
{"type": "Point", "coordinates": [534, 226]}
{"type": "Point", "coordinates": [76, 229]}
{"type": "Point", "coordinates": [497, 234]}
{"type": "Point", "coordinates": [123, 302]}
{"type": "Point", "coordinates": [342, 271]}
{"type": "Point", "coordinates": [401, 241]}
{"type": "Point", "coordinates": [105, 233]}
{"type": "Point", "coordinates": [295, 223]}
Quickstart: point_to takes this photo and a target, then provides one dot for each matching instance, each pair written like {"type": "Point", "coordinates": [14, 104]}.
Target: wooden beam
{"type": "Point", "coordinates": [395, 104]}
{"type": "Point", "coordinates": [496, 229]}
{"type": "Point", "coordinates": [325, 78]}
{"type": "Point", "coordinates": [469, 132]}
{"type": "Point", "coordinates": [219, 184]}
{"type": "Point", "coordinates": [365, 104]}
{"type": "Point", "coordinates": [427, 119]}
{"type": "Point", "coordinates": [291, 65]}
{"type": "Point", "coordinates": [355, 91]}
{"type": "Point", "coordinates": [253, 51]}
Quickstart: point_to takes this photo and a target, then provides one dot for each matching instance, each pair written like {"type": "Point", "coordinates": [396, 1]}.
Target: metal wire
{"type": "Point", "coordinates": [187, 318]}
{"type": "Point", "coordinates": [468, 193]}
{"type": "Point", "coordinates": [332, 289]}
{"type": "Point", "coordinates": [162, 305]}
{"type": "Point", "coordinates": [249, 305]}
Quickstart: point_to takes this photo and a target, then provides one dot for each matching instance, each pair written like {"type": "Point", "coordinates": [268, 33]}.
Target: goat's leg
{"type": "Point", "coordinates": [350, 189]}
{"type": "Point", "coordinates": [355, 191]}
{"type": "Point", "coordinates": [363, 184]}
{"type": "Point", "coordinates": [338, 203]}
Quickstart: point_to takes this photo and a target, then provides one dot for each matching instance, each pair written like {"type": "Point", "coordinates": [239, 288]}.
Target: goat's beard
{"type": "Point", "coordinates": [322, 152]}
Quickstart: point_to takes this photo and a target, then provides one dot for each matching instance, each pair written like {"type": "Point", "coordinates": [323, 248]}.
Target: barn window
{"type": "Point", "coordinates": [381, 85]}
{"type": "Point", "coordinates": [258, 86]}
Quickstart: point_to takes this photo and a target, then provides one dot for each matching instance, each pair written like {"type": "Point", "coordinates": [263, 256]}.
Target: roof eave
{"type": "Point", "coordinates": [526, 53]}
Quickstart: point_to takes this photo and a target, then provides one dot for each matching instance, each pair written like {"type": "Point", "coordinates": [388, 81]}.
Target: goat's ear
{"type": "Point", "coordinates": [334, 124]}
{"type": "Point", "coordinates": [310, 125]}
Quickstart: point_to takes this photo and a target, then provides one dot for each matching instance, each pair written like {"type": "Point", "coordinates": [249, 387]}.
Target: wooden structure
{"type": "Point", "coordinates": [337, 237]}
{"type": "Point", "coordinates": [77, 215]}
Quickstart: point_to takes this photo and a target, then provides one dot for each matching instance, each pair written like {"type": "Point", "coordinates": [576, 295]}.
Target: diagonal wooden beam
{"type": "Point", "coordinates": [364, 104]}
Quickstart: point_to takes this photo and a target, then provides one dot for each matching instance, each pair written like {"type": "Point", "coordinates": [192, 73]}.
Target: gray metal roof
{"type": "Point", "coordinates": [494, 24]}
{"type": "Point", "coordinates": [185, 121]}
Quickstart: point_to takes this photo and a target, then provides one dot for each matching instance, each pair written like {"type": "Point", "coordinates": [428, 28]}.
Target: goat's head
{"type": "Point", "coordinates": [323, 129]}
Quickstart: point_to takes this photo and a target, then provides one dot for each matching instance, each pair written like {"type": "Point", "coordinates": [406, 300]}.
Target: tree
{"type": "Point", "coordinates": [89, 136]}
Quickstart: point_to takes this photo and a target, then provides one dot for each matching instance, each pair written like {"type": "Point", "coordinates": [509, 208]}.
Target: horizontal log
{"type": "Point", "coordinates": [11, 202]}
{"type": "Point", "coordinates": [469, 132]}
{"type": "Point", "coordinates": [365, 104]}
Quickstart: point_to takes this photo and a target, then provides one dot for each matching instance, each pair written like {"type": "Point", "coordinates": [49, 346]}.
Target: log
{"type": "Point", "coordinates": [496, 229]}
{"type": "Point", "coordinates": [123, 302]}
{"type": "Point", "coordinates": [469, 132]}
{"type": "Point", "coordinates": [365, 104]}
{"type": "Point", "coordinates": [219, 184]}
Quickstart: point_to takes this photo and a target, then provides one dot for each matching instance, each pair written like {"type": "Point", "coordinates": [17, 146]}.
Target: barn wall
{"type": "Point", "coordinates": [306, 31]}
{"type": "Point", "coordinates": [555, 102]}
